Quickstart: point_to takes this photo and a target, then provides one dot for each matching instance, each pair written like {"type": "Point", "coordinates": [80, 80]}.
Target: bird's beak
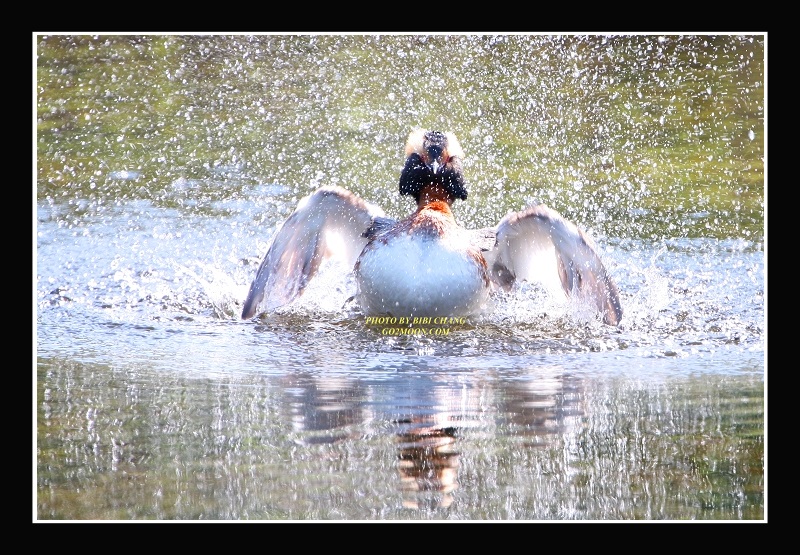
{"type": "Point", "coordinates": [435, 166]}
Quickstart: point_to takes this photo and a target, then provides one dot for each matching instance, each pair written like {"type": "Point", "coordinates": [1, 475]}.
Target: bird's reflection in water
{"type": "Point", "coordinates": [433, 420]}
{"type": "Point", "coordinates": [427, 461]}
{"type": "Point", "coordinates": [324, 409]}
{"type": "Point", "coordinates": [541, 409]}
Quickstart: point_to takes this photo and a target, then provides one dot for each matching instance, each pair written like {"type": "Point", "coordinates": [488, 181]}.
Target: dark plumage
{"type": "Point", "coordinates": [433, 158]}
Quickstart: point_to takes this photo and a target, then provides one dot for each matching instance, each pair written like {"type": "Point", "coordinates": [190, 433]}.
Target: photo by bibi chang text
{"type": "Point", "coordinates": [414, 325]}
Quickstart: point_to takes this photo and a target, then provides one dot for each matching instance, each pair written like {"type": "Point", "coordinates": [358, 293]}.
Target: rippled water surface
{"type": "Point", "coordinates": [166, 163]}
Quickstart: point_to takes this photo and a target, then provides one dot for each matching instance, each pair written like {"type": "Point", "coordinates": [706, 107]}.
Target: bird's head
{"type": "Point", "coordinates": [433, 163]}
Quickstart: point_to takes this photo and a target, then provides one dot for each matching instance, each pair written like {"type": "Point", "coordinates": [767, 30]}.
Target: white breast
{"type": "Point", "coordinates": [416, 276]}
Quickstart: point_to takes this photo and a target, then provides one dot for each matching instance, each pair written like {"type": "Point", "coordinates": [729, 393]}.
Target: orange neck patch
{"type": "Point", "coordinates": [439, 206]}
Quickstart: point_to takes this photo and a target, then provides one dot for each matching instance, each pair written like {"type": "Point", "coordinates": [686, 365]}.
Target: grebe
{"type": "Point", "coordinates": [427, 264]}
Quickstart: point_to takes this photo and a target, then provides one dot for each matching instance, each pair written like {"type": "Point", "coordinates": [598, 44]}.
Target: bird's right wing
{"type": "Point", "coordinates": [539, 245]}
{"type": "Point", "coordinates": [330, 221]}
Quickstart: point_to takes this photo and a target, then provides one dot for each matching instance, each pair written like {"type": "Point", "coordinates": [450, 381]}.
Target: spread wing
{"type": "Point", "coordinates": [330, 221]}
{"type": "Point", "coordinates": [538, 245]}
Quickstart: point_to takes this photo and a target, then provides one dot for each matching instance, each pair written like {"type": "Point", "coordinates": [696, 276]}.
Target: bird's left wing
{"type": "Point", "coordinates": [538, 245]}
{"type": "Point", "coordinates": [330, 221]}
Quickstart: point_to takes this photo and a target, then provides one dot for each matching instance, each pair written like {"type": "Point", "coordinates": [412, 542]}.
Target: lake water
{"type": "Point", "coordinates": [165, 164]}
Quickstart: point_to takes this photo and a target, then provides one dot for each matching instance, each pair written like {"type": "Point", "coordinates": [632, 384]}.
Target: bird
{"type": "Point", "coordinates": [427, 264]}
